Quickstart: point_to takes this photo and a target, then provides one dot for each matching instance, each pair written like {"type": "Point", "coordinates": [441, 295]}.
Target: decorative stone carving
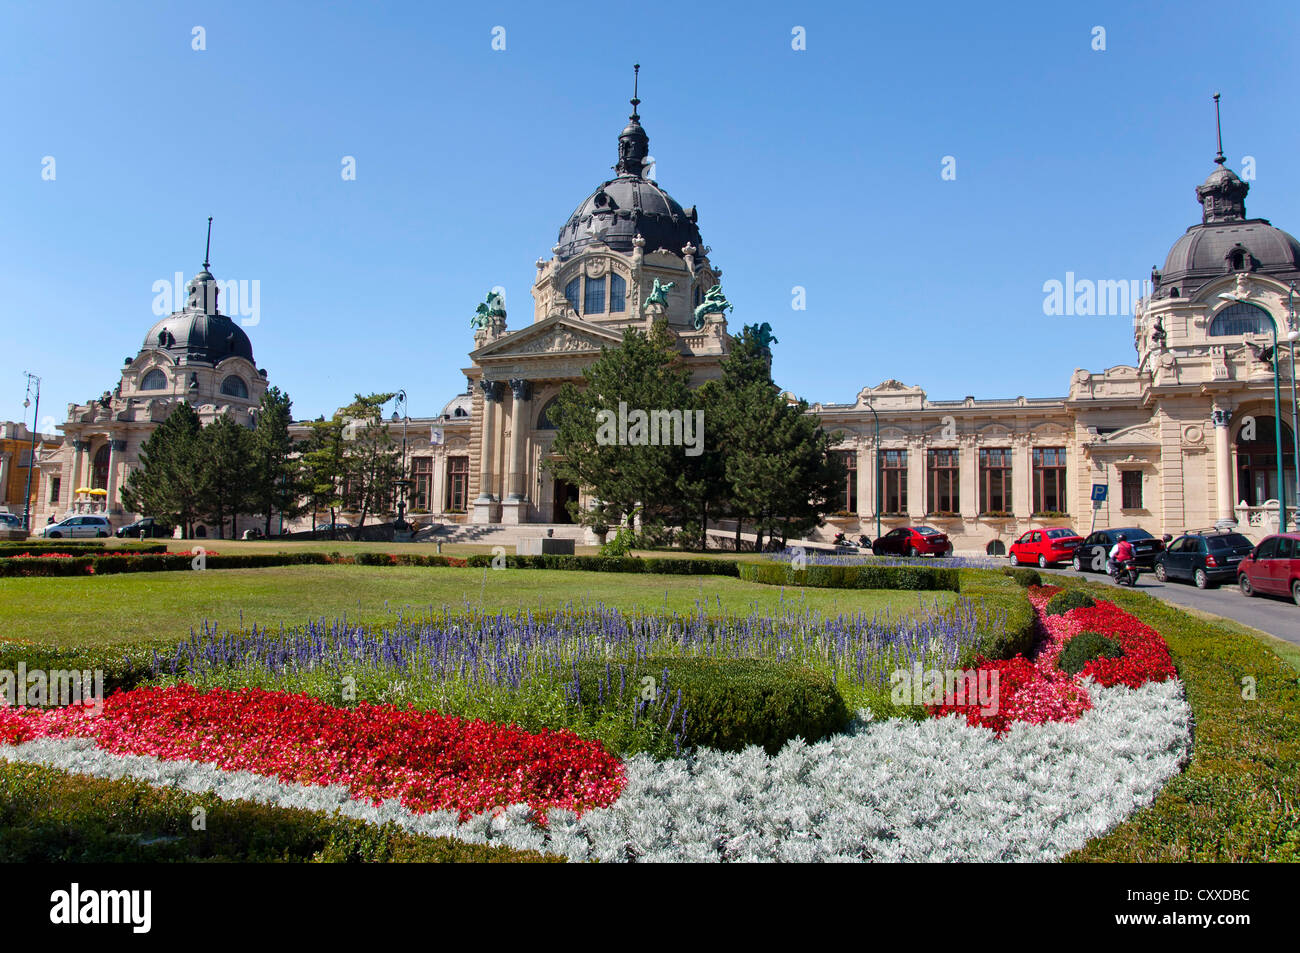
{"type": "Point", "coordinates": [521, 389]}
{"type": "Point", "coordinates": [492, 390]}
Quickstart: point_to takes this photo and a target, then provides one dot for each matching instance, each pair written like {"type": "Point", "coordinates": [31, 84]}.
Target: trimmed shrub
{"type": "Point", "coordinates": [1008, 625]}
{"type": "Point", "coordinates": [1068, 599]}
{"type": "Point", "coordinates": [684, 567]}
{"type": "Point", "coordinates": [727, 704]}
{"type": "Point", "coordinates": [917, 578]}
{"type": "Point", "coordinates": [48, 815]}
{"type": "Point", "coordinates": [82, 565]}
{"type": "Point", "coordinates": [1026, 577]}
{"type": "Point", "coordinates": [1085, 647]}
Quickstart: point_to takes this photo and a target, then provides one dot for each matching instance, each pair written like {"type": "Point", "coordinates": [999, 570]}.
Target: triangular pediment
{"type": "Point", "coordinates": [555, 335]}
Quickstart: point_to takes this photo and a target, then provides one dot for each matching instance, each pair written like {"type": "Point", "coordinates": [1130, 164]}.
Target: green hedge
{"type": "Point", "coordinates": [1084, 648]}
{"type": "Point", "coordinates": [124, 667]}
{"type": "Point", "coordinates": [1239, 798]}
{"type": "Point", "coordinates": [78, 546]}
{"type": "Point", "coordinates": [679, 567]}
{"type": "Point", "coordinates": [923, 578]}
{"type": "Point", "coordinates": [48, 815]}
{"type": "Point", "coordinates": [1008, 626]}
{"type": "Point", "coordinates": [81, 565]}
{"type": "Point", "coordinates": [1026, 577]}
{"type": "Point", "coordinates": [1067, 599]}
{"type": "Point", "coordinates": [728, 704]}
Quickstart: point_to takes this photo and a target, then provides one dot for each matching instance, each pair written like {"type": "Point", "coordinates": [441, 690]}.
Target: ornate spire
{"type": "Point", "coordinates": [1218, 128]}
{"type": "Point", "coordinates": [633, 143]}
{"type": "Point", "coordinates": [1223, 194]}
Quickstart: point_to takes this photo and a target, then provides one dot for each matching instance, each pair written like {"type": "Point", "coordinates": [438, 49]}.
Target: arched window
{"type": "Point", "coordinates": [1241, 318]}
{"type": "Point", "coordinates": [99, 474]}
{"type": "Point", "coordinates": [594, 303]}
{"type": "Point", "coordinates": [234, 386]}
{"type": "Point", "coordinates": [544, 421]}
{"type": "Point", "coordinates": [1257, 460]}
{"type": "Point", "coordinates": [617, 293]}
{"type": "Point", "coordinates": [572, 290]}
{"type": "Point", "coordinates": [154, 380]}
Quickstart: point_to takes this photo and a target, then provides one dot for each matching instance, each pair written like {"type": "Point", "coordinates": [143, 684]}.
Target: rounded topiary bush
{"type": "Point", "coordinates": [1085, 647]}
{"type": "Point", "coordinates": [1068, 599]}
{"type": "Point", "coordinates": [727, 704]}
{"type": "Point", "coordinates": [1026, 577]}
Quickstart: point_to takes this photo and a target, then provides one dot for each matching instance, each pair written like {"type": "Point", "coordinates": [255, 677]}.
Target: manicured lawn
{"type": "Point", "coordinates": [131, 607]}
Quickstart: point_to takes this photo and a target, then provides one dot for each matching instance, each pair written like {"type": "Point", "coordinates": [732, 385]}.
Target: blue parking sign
{"type": "Point", "coordinates": [1099, 492]}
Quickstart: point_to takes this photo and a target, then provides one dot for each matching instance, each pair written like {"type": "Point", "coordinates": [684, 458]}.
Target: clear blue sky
{"type": "Point", "coordinates": [818, 168]}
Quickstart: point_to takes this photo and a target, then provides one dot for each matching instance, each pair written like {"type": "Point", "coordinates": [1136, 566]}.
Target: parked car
{"type": "Point", "coordinates": [147, 528]}
{"type": "Point", "coordinates": [913, 541]}
{"type": "Point", "coordinates": [1047, 547]}
{"type": "Point", "coordinates": [332, 529]}
{"type": "Point", "coordinates": [73, 527]}
{"type": "Point", "coordinates": [9, 521]}
{"type": "Point", "coordinates": [1206, 559]}
{"type": "Point", "coordinates": [1273, 567]}
{"type": "Point", "coordinates": [1091, 554]}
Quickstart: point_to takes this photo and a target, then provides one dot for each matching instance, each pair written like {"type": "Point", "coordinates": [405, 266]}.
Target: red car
{"type": "Point", "coordinates": [1273, 568]}
{"type": "Point", "coordinates": [913, 541]}
{"type": "Point", "coordinates": [1047, 547]}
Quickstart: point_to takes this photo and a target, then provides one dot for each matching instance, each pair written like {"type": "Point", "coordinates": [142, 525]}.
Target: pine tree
{"type": "Point", "coordinates": [277, 479]}
{"type": "Point", "coordinates": [324, 468]}
{"type": "Point", "coordinates": [628, 474]}
{"type": "Point", "coordinates": [167, 482]}
{"type": "Point", "coordinates": [228, 472]}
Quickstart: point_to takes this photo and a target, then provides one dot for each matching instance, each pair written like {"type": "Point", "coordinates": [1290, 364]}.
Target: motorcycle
{"type": "Point", "coordinates": [1125, 573]}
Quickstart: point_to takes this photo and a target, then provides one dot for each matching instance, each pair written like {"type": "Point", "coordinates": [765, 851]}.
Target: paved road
{"type": "Point", "coordinates": [1271, 614]}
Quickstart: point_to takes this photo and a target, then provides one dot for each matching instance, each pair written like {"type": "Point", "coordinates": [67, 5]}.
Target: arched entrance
{"type": "Point", "coordinates": [565, 493]}
{"type": "Point", "coordinates": [1257, 461]}
{"type": "Point", "coordinates": [99, 470]}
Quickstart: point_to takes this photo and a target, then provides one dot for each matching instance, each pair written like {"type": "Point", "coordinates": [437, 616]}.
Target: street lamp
{"type": "Point", "coordinates": [1292, 335]}
{"type": "Point", "coordinates": [1295, 412]}
{"type": "Point", "coordinates": [876, 417]}
{"type": "Point", "coordinates": [399, 401]}
{"type": "Point", "coordinates": [33, 384]}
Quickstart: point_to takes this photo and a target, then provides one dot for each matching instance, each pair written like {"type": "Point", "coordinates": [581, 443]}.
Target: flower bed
{"type": "Point", "coordinates": [424, 760]}
{"type": "Point", "coordinates": [1037, 691]}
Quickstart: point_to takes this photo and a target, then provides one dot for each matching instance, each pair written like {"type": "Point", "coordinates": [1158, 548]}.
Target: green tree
{"type": "Point", "coordinates": [167, 482]}
{"type": "Point", "coordinates": [372, 457]}
{"type": "Point", "coordinates": [325, 468]}
{"type": "Point", "coordinates": [642, 375]}
{"type": "Point", "coordinates": [228, 472]}
{"type": "Point", "coordinates": [278, 484]}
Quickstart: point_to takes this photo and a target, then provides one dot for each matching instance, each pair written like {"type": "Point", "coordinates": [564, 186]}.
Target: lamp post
{"type": "Point", "coordinates": [33, 383]}
{"type": "Point", "coordinates": [876, 417]}
{"type": "Point", "coordinates": [402, 482]}
{"type": "Point", "coordinates": [1291, 336]}
{"type": "Point", "coordinates": [1295, 411]}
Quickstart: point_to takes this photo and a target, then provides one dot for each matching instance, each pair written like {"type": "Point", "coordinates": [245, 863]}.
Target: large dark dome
{"type": "Point", "coordinates": [1226, 241]}
{"type": "Point", "coordinates": [623, 208]}
{"type": "Point", "coordinates": [629, 205]}
{"type": "Point", "coordinates": [199, 338]}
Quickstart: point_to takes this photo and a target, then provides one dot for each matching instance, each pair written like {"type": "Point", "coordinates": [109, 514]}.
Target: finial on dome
{"type": "Point", "coordinates": [1218, 128]}
{"type": "Point", "coordinates": [633, 143]}
{"type": "Point", "coordinates": [636, 76]}
{"type": "Point", "coordinates": [208, 248]}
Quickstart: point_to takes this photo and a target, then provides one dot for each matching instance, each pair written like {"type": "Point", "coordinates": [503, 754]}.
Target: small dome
{"type": "Point", "coordinates": [623, 208]}
{"type": "Point", "coordinates": [462, 405]}
{"type": "Point", "coordinates": [199, 338]}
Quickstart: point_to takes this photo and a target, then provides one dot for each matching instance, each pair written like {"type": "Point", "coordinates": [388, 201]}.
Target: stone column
{"type": "Point", "coordinates": [1223, 464]}
{"type": "Point", "coordinates": [866, 484]}
{"type": "Point", "coordinates": [969, 478]}
{"type": "Point", "coordinates": [1022, 477]}
{"type": "Point", "coordinates": [115, 450]}
{"type": "Point", "coordinates": [515, 507]}
{"type": "Point", "coordinates": [918, 460]}
{"type": "Point", "coordinates": [484, 506]}
{"type": "Point", "coordinates": [79, 449]}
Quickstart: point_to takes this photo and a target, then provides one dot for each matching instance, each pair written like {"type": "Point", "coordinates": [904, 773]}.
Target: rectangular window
{"type": "Point", "coordinates": [56, 484]}
{"type": "Point", "coordinates": [943, 481]}
{"type": "Point", "coordinates": [848, 502]}
{"type": "Point", "coordinates": [1131, 489]}
{"type": "Point", "coordinates": [617, 294]}
{"type": "Point", "coordinates": [25, 457]}
{"type": "Point", "coordinates": [1049, 480]}
{"type": "Point", "coordinates": [995, 480]}
{"type": "Point", "coordinates": [595, 299]}
{"type": "Point", "coordinates": [893, 481]}
{"type": "Point", "coordinates": [421, 483]}
{"type": "Point", "coordinates": [457, 483]}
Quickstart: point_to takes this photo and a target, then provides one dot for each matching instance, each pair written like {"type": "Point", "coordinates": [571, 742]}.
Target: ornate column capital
{"type": "Point", "coordinates": [492, 390]}
{"type": "Point", "coordinates": [119, 446]}
{"type": "Point", "coordinates": [1221, 416]}
{"type": "Point", "coordinates": [521, 388]}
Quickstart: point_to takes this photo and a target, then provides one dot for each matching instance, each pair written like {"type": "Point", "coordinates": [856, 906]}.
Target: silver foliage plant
{"type": "Point", "coordinates": [896, 790]}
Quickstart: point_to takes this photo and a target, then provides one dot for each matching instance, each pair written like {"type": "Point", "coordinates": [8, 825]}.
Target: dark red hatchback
{"type": "Point", "coordinates": [1273, 568]}
{"type": "Point", "coordinates": [913, 541]}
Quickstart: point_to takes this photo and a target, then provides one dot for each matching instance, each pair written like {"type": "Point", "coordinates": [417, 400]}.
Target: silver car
{"type": "Point", "coordinates": [71, 527]}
